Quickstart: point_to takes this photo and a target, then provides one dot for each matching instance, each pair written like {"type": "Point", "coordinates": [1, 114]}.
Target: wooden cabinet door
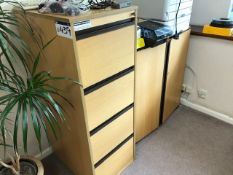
{"type": "Point", "coordinates": [175, 74]}
{"type": "Point", "coordinates": [149, 77]}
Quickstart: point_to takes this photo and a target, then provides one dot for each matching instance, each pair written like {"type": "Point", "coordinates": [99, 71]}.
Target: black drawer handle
{"type": "Point", "coordinates": [107, 81]}
{"type": "Point", "coordinates": [113, 151]}
{"type": "Point", "coordinates": [103, 29]}
{"type": "Point", "coordinates": [112, 119]}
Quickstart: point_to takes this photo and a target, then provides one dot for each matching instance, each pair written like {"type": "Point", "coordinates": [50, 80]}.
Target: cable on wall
{"type": "Point", "coordinates": [176, 21]}
{"type": "Point", "coordinates": [195, 79]}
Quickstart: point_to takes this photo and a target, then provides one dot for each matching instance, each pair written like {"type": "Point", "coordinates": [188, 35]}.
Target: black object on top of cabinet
{"type": "Point", "coordinates": [154, 33]}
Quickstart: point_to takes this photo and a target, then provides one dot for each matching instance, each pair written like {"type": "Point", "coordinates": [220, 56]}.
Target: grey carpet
{"type": "Point", "coordinates": [189, 143]}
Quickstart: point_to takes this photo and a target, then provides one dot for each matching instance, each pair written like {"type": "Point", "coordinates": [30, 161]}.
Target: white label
{"type": "Point", "coordinates": [63, 30]}
{"type": "Point", "coordinates": [81, 25]}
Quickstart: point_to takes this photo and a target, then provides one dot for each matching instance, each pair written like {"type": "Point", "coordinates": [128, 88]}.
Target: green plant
{"type": "Point", "coordinates": [30, 95]}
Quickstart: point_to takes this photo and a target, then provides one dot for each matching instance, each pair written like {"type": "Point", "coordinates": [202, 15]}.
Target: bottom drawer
{"type": "Point", "coordinates": [112, 135]}
{"type": "Point", "coordinates": [118, 161]}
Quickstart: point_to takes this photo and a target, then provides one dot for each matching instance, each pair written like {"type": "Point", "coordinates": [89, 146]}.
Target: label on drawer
{"type": "Point", "coordinates": [81, 25]}
{"type": "Point", "coordinates": [63, 29]}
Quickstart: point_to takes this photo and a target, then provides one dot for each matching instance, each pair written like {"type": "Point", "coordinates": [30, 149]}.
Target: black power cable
{"type": "Point", "coordinates": [176, 23]}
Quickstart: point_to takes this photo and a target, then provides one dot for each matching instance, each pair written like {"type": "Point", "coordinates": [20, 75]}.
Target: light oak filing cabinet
{"type": "Point", "coordinates": [101, 136]}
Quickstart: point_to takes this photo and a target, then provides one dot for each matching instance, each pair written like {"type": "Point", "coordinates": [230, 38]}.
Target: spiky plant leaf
{"type": "Point", "coordinates": [33, 97]}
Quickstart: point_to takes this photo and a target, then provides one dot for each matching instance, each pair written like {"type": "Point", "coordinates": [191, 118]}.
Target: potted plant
{"type": "Point", "coordinates": [22, 166]}
{"type": "Point", "coordinates": [30, 94]}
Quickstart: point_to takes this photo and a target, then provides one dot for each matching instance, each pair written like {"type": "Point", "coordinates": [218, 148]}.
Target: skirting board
{"type": "Point", "coordinates": [44, 153]}
{"type": "Point", "coordinates": [207, 111]}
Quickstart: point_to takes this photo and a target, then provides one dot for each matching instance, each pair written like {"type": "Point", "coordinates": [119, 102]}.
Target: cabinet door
{"type": "Point", "coordinates": [175, 75]}
{"type": "Point", "coordinates": [149, 77]}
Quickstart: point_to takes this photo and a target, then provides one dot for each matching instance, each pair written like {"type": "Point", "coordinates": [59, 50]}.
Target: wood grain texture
{"type": "Point", "coordinates": [135, 64]}
{"type": "Point", "coordinates": [60, 60]}
{"type": "Point", "coordinates": [109, 100]}
{"type": "Point", "coordinates": [106, 54]}
{"type": "Point", "coordinates": [175, 77]}
{"type": "Point", "coordinates": [149, 78]}
{"type": "Point", "coordinates": [112, 135]}
{"type": "Point", "coordinates": [120, 159]}
{"type": "Point", "coordinates": [112, 18]}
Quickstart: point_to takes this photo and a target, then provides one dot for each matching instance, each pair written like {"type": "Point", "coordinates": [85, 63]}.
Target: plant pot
{"type": "Point", "coordinates": [29, 166]}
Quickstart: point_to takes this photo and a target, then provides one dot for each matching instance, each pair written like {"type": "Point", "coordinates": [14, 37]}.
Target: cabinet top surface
{"type": "Point", "coordinates": [88, 15]}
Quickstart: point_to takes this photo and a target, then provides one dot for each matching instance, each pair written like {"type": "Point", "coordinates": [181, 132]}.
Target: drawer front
{"type": "Point", "coordinates": [107, 101]}
{"type": "Point", "coordinates": [106, 54]}
{"type": "Point", "coordinates": [117, 162]}
{"type": "Point", "coordinates": [112, 135]}
{"type": "Point", "coordinates": [112, 18]}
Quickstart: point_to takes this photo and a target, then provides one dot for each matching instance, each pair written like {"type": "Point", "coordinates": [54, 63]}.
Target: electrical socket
{"type": "Point", "coordinates": [187, 89]}
{"type": "Point", "coordinates": [202, 93]}
{"type": "Point", "coordinates": [184, 86]}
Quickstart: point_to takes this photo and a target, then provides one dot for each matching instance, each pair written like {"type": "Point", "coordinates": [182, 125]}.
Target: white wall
{"type": "Point", "coordinates": [205, 10]}
{"type": "Point", "coordinates": [212, 61]}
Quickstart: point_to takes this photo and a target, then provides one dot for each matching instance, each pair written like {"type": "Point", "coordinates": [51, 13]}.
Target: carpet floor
{"type": "Point", "coordinates": [189, 143]}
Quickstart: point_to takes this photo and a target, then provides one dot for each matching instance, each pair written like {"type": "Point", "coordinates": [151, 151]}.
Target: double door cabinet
{"type": "Point", "coordinates": [101, 57]}
{"type": "Point", "coordinates": [98, 49]}
{"type": "Point", "coordinates": [159, 78]}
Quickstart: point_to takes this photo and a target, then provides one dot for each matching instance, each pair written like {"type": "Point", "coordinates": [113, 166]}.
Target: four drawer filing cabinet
{"type": "Point", "coordinates": [98, 51]}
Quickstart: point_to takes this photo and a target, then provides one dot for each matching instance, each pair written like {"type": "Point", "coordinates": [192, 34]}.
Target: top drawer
{"type": "Point", "coordinates": [107, 53]}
